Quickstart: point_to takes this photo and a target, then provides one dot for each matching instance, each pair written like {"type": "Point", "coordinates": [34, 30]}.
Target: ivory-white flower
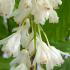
{"type": "Point", "coordinates": [23, 60]}
{"type": "Point", "coordinates": [23, 11]}
{"type": "Point", "coordinates": [11, 45]}
{"type": "Point", "coordinates": [27, 41]}
{"type": "Point", "coordinates": [25, 32]}
{"type": "Point", "coordinates": [6, 7]}
{"type": "Point", "coordinates": [48, 55]}
{"type": "Point", "coordinates": [44, 10]}
{"type": "Point", "coordinates": [53, 17]}
{"type": "Point", "coordinates": [40, 11]}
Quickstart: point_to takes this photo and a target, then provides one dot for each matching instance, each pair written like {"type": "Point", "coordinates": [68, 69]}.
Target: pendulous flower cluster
{"type": "Point", "coordinates": [25, 45]}
{"type": "Point", "coordinates": [41, 10]}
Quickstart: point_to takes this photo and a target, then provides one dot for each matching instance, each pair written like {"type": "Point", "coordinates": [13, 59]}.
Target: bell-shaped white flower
{"type": "Point", "coordinates": [11, 45]}
{"type": "Point", "coordinates": [40, 57]}
{"type": "Point", "coordinates": [22, 60]}
{"type": "Point", "coordinates": [25, 32]}
{"type": "Point", "coordinates": [40, 10]}
{"type": "Point", "coordinates": [6, 7]}
{"type": "Point", "coordinates": [22, 11]}
{"type": "Point", "coordinates": [27, 40]}
{"type": "Point", "coordinates": [48, 55]}
{"type": "Point", "coordinates": [26, 37]}
{"type": "Point", "coordinates": [44, 10]}
{"type": "Point", "coordinates": [53, 17]}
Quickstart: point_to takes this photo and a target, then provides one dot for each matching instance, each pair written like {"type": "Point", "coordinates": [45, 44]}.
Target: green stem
{"type": "Point", "coordinates": [35, 67]}
{"type": "Point", "coordinates": [35, 35]}
{"type": "Point", "coordinates": [39, 31]}
{"type": "Point", "coordinates": [45, 35]}
{"type": "Point", "coordinates": [34, 28]}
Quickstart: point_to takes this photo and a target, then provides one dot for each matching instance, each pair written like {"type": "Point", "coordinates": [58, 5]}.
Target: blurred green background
{"type": "Point", "coordinates": [58, 34]}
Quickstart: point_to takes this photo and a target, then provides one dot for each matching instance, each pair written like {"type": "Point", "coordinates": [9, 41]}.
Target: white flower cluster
{"type": "Point", "coordinates": [41, 10]}
{"type": "Point", "coordinates": [26, 44]}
